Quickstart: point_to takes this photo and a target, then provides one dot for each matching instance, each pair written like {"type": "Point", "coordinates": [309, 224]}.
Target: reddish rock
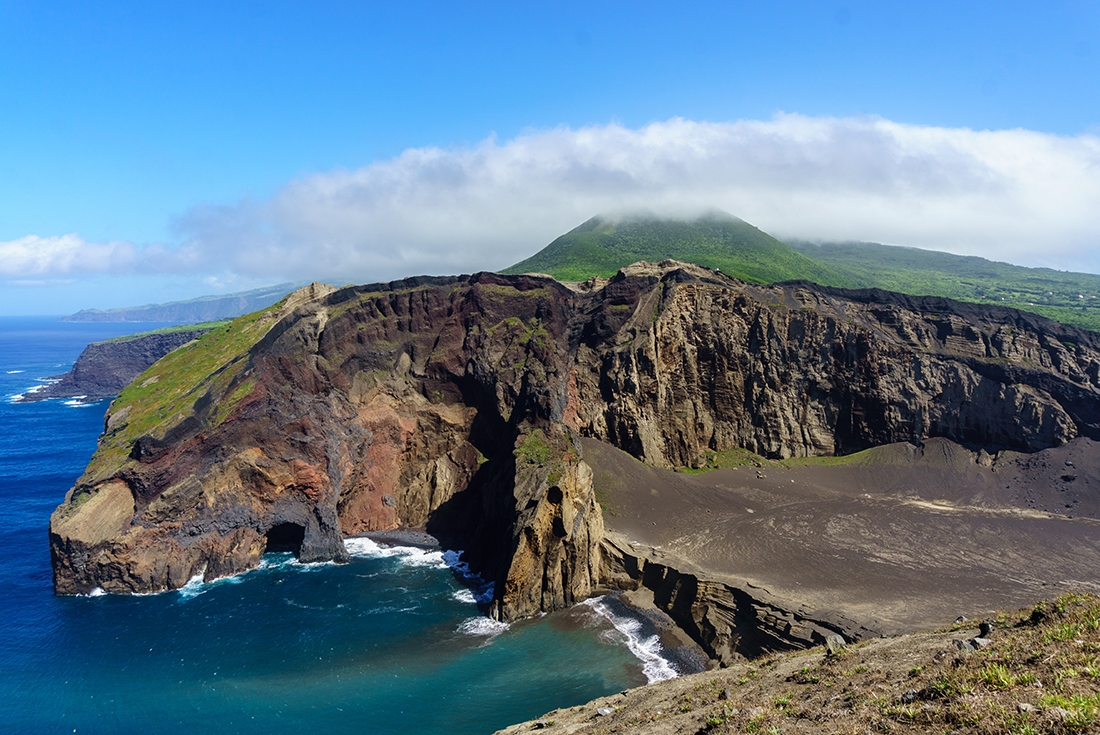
{"type": "Point", "coordinates": [414, 403]}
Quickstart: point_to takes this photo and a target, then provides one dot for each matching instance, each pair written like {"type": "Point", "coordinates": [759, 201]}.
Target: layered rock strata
{"type": "Point", "coordinates": [729, 621]}
{"type": "Point", "coordinates": [456, 404]}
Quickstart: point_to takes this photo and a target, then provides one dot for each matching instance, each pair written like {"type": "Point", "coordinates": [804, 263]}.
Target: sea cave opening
{"type": "Point", "coordinates": [286, 537]}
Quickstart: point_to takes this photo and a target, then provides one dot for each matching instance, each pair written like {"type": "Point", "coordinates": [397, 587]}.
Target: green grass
{"type": "Point", "coordinates": [1050, 293]}
{"type": "Point", "coordinates": [534, 449]}
{"type": "Point", "coordinates": [600, 247]}
{"type": "Point", "coordinates": [171, 330]}
{"type": "Point", "coordinates": [165, 394]}
{"type": "Point", "coordinates": [734, 458]}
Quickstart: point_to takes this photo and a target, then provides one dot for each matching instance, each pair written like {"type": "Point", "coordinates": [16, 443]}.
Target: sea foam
{"type": "Point", "coordinates": [480, 591]}
{"type": "Point", "coordinates": [42, 383]}
{"type": "Point", "coordinates": [409, 556]}
{"type": "Point", "coordinates": [647, 650]}
{"type": "Point", "coordinates": [477, 591]}
{"type": "Point", "coordinates": [482, 626]}
{"type": "Point", "coordinates": [194, 587]}
{"type": "Point", "coordinates": [465, 596]}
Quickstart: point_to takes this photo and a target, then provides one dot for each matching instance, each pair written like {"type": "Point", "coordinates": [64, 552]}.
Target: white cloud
{"type": "Point", "coordinates": [49, 256]}
{"type": "Point", "coordinates": [1013, 195]}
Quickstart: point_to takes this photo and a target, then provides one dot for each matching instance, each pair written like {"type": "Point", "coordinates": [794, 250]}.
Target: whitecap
{"type": "Point", "coordinates": [275, 561]}
{"type": "Point", "coordinates": [42, 383]}
{"type": "Point", "coordinates": [302, 606]}
{"type": "Point", "coordinates": [309, 566]}
{"type": "Point", "coordinates": [482, 626]}
{"type": "Point", "coordinates": [197, 586]}
{"type": "Point", "coordinates": [194, 587]}
{"type": "Point", "coordinates": [648, 650]}
{"type": "Point", "coordinates": [15, 372]}
{"type": "Point", "coordinates": [409, 556]}
{"type": "Point", "coordinates": [78, 402]}
{"type": "Point", "coordinates": [465, 596]}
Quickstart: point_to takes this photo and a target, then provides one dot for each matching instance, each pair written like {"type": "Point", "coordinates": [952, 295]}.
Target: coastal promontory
{"type": "Point", "coordinates": [488, 409]}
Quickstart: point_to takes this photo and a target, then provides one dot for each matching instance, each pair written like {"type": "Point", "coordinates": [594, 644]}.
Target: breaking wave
{"type": "Point", "coordinates": [480, 590]}
{"type": "Point", "coordinates": [647, 650]}
{"type": "Point", "coordinates": [409, 556]}
{"type": "Point", "coordinates": [482, 626]}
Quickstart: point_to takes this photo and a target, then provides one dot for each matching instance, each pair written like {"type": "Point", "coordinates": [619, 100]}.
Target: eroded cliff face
{"type": "Point", "coordinates": [729, 621]}
{"type": "Point", "coordinates": [456, 403]}
{"type": "Point", "coordinates": [798, 370]}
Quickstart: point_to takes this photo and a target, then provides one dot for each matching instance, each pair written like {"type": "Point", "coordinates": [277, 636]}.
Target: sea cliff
{"type": "Point", "coordinates": [103, 369]}
{"type": "Point", "coordinates": [458, 405]}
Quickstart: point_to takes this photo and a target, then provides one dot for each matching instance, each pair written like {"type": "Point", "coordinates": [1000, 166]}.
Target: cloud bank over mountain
{"type": "Point", "coordinates": [1014, 195]}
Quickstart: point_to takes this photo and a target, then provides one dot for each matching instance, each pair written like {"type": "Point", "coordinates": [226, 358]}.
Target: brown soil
{"type": "Point", "coordinates": [902, 539]}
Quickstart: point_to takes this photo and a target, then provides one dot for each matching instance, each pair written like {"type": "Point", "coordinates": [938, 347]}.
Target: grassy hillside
{"type": "Point", "coordinates": [600, 247]}
{"type": "Point", "coordinates": [1073, 298]}
{"type": "Point", "coordinates": [166, 394]}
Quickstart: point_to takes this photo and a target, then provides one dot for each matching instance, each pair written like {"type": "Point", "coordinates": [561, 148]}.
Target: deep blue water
{"type": "Point", "coordinates": [390, 643]}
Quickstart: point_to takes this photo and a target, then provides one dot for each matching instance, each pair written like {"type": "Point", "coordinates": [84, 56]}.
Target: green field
{"type": "Point", "coordinates": [1072, 298]}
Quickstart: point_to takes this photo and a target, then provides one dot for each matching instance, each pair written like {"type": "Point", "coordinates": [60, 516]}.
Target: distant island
{"type": "Point", "coordinates": [201, 309]}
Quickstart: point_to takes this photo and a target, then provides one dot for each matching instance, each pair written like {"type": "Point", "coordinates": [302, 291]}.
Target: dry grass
{"type": "Point", "coordinates": [1040, 673]}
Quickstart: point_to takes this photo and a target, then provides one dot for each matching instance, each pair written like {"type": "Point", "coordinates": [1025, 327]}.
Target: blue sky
{"type": "Point", "coordinates": [151, 151]}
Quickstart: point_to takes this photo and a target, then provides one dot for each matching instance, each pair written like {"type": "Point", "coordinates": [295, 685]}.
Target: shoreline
{"type": "Point", "coordinates": [676, 646]}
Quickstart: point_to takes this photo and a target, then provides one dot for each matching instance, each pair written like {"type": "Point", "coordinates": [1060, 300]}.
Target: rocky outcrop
{"type": "Point", "coordinates": [456, 404]}
{"type": "Point", "coordinates": [103, 369]}
{"type": "Point", "coordinates": [731, 621]}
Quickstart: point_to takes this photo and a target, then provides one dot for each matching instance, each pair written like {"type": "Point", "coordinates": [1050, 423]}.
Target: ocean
{"type": "Point", "coordinates": [389, 643]}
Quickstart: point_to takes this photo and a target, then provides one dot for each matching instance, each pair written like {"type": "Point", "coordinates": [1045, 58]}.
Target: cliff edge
{"type": "Point", "coordinates": [458, 404]}
{"type": "Point", "coordinates": [103, 369]}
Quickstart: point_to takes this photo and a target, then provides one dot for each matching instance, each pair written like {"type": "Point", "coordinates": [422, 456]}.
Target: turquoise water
{"type": "Point", "coordinates": [389, 643]}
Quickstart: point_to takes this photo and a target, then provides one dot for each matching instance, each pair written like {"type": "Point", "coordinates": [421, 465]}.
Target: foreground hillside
{"type": "Point", "coordinates": [1037, 671]}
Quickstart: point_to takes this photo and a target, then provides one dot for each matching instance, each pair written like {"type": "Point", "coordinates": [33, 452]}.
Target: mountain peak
{"type": "Point", "coordinates": [711, 238]}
